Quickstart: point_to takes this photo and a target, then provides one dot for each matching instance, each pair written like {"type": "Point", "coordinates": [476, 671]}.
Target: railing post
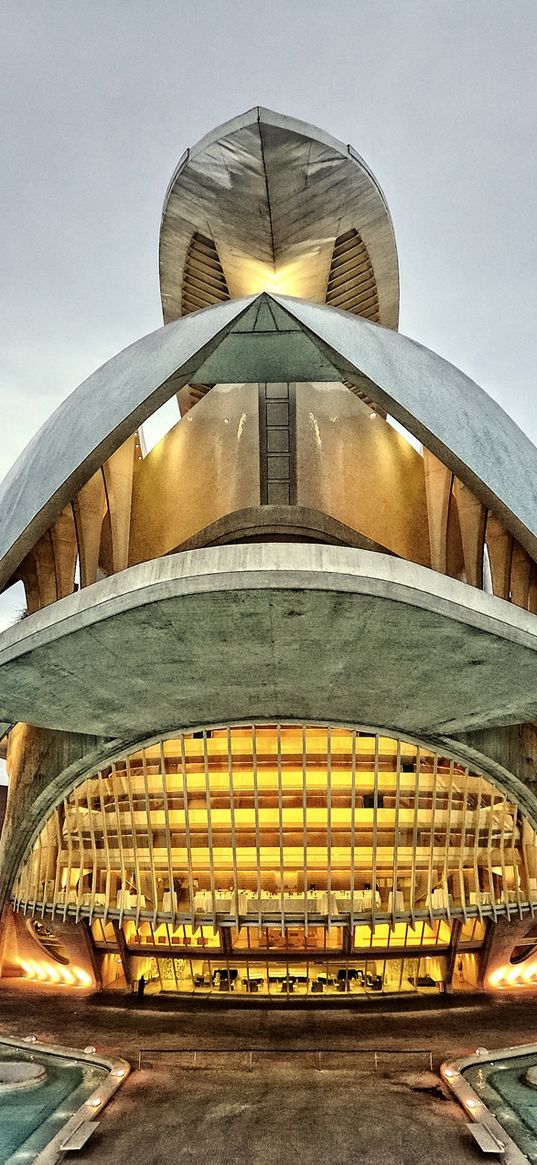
{"type": "Point", "coordinates": [376, 1061]}
{"type": "Point", "coordinates": [139, 1059]}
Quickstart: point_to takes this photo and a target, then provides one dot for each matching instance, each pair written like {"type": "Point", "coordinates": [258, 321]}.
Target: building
{"type": "Point", "coordinates": [270, 722]}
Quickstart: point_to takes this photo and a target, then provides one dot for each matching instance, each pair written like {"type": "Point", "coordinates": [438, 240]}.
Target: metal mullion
{"type": "Point", "coordinates": [305, 826]}
{"type": "Point", "coordinates": [134, 844]}
{"type": "Point", "coordinates": [280, 822]}
{"type": "Point", "coordinates": [106, 846]}
{"type": "Point", "coordinates": [477, 813]}
{"type": "Point", "coordinates": [396, 830]}
{"type": "Point", "coordinates": [166, 817]}
{"type": "Point", "coordinates": [492, 890]}
{"type": "Point", "coordinates": [417, 763]}
{"type": "Point", "coordinates": [353, 826]}
{"type": "Point", "coordinates": [150, 837]}
{"type": "Point", "coordinates": [190, 873]}
{"type": "Point", "coordinates": [94, 849]}
{"type": "Point", "coordinates": [432, 835]}
{"type": "Point", "coordinates": [257, 838]}
{"type": "Point", "coordinates": [448, 828]}
{"type": "Point", "coordinates": [119, 843]}
{"type": "Point", "coordinates": [329, 824]}
{"type": "Point", "coordinates": [233, 829]}
{"type": "Point", "coordinates": [375, 832]}
{"type": "Point", "coordinates": [69, 857]}
{"type": "Point", "coordinates": [209, 825]}
{"type": "Point", "coordinates": [462, 844]}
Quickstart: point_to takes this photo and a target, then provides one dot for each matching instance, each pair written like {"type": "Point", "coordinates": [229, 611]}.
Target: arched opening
{"type": "Point", "coordinates": [294, 857]}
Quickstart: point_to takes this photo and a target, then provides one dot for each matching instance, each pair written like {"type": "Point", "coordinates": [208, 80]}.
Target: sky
{"type": "Point", "coordinates": [100, 100]}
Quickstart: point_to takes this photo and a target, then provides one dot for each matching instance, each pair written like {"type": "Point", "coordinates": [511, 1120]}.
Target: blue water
{"type": "Point", "coordinates": [501, 1085]}
{"type": "Point", "coordinates": [30, 1119]}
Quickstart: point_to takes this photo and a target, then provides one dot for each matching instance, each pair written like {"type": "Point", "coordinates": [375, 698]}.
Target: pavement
{"type": "Point", "coordinates": [283, 1108]}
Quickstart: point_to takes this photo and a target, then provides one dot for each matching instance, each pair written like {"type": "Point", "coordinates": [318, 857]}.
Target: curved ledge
{"type": "Point", "coordinates": [279, 523]}
{"type": "Point", "coordinates": [272, 631]}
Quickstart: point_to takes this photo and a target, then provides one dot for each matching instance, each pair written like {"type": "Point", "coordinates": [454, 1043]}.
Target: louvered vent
{"type": "Point", "coordinates": [351, 281]}
{"type": "Point", "coordinates": [204, 282]}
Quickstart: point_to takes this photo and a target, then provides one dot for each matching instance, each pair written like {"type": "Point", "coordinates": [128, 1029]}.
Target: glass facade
{"type": "Point", "coordinates": [284, 860]}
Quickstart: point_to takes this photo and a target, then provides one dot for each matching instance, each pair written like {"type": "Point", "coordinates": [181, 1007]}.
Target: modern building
{"type": "Point", "coordinates": [270, 721]}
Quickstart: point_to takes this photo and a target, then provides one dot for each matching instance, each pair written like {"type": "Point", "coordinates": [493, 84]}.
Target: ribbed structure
{"type": "Point", "coordinates": [351, 280]}
{"type": "Point", "coordinates": [204, 282]}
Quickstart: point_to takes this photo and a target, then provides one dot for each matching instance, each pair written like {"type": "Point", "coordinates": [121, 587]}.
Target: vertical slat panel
{"type": "Point", "coordinates": [353, 827]}
{"type": "Point", "coordinates": [149, 829]}
{"type": "Point", "coordinates": [122, 866]}
{"type": "Point", "coordinates": [58, 875]}
{"type": "Point", "coordinates": [476, 817]}
{"type": "Point", "coordinates": [134, 842]}
{"type": "Point", "coordinates": [233, 829]}
{"type": "Point", "coordinates": [280, 823]}
{"type": "Point", "coordinates": [514, 863]}
{"type": "Point", "coordinates": [503, 862]}
{"type": "Point", "coordinates": [489, 851]}
{"type": "Point", "coordinates": [94, 860]}
{"type": "Point", "coordinates": [305, 826]}
{"type": "Point", "coordinates": [69, 857]}
{"type": "Point", "coordinates": [396, 831]}
{"type": "Point", "coordinates": [209, 825]}
{"type": "Point", "coordinates": [257, 837]}
{"type": "Point", "coordinates": [432, 838]}
{"type": "Point", "coordinates": [448, 829]}
{"type": "Point", "coordinates": [167, 819]}
{"type": "Point", "coordinates": [329, 823]}
{"type": "Point", "coordinates": [100, 780]}
{"type": "Point", "coordinates": [190, 871]}
{"type": "Point", "coordinates": [463, 846]}
{"type": "Point", "coordinates": [375, 835]}
{"type": "Point", "coordinates": [76, 801]}
{"type": "Point", "coordinates": [417, 773]}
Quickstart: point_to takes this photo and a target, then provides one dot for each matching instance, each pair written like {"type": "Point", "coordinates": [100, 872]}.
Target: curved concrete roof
{"type": "Point", "coordinates": [272, 632]}
{"type": "Point", "coordinates": [270, 338]}
{"type": "Point", "coordinates": [274, 193]}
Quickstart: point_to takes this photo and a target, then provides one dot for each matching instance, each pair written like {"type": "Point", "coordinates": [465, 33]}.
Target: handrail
{"type": "Point", "coordinates": [319, 1052]}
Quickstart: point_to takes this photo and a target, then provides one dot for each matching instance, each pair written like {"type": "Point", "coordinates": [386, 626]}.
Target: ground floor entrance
{"type": "Point", "coordinates": [424, 958]}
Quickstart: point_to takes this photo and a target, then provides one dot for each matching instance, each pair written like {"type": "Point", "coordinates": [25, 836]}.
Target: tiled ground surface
{"type": "Point", "coordinates": [282, 1111]}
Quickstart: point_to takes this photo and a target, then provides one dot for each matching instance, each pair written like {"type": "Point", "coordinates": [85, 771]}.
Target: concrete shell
{"type": "Point", "coordinates": [273, 193]}
{"type": "Point", "coordinates": [273, 632]}
{"type": "Point", "coordinates": [301, 341]}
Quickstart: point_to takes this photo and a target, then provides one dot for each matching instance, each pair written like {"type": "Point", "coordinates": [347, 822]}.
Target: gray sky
{"type": "Point", "coordinates": [100, 99]}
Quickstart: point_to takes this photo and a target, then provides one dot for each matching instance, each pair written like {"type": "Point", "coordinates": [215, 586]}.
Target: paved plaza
{"type": "Point", "coordinates": [284, 1109]}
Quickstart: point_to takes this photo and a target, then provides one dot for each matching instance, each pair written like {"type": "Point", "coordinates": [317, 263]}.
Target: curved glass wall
{"type": "Point", "coordinates": [270, 826]}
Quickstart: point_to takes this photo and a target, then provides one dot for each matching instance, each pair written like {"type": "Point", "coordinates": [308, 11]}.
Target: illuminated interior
{"type": "Point", "coordinates": [284, 842]}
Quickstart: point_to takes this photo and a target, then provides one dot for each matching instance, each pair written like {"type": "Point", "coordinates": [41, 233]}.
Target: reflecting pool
{"type": "Point", "coordinates": [29, 1119]}
{"type": "Point", "coordinates": [502, 1086]}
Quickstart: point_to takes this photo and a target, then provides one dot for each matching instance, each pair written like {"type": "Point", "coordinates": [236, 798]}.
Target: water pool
{"type": "Point", "coordinates": [501, 1085]}
{"type": "Point", "coordinates": [31, 1119]}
